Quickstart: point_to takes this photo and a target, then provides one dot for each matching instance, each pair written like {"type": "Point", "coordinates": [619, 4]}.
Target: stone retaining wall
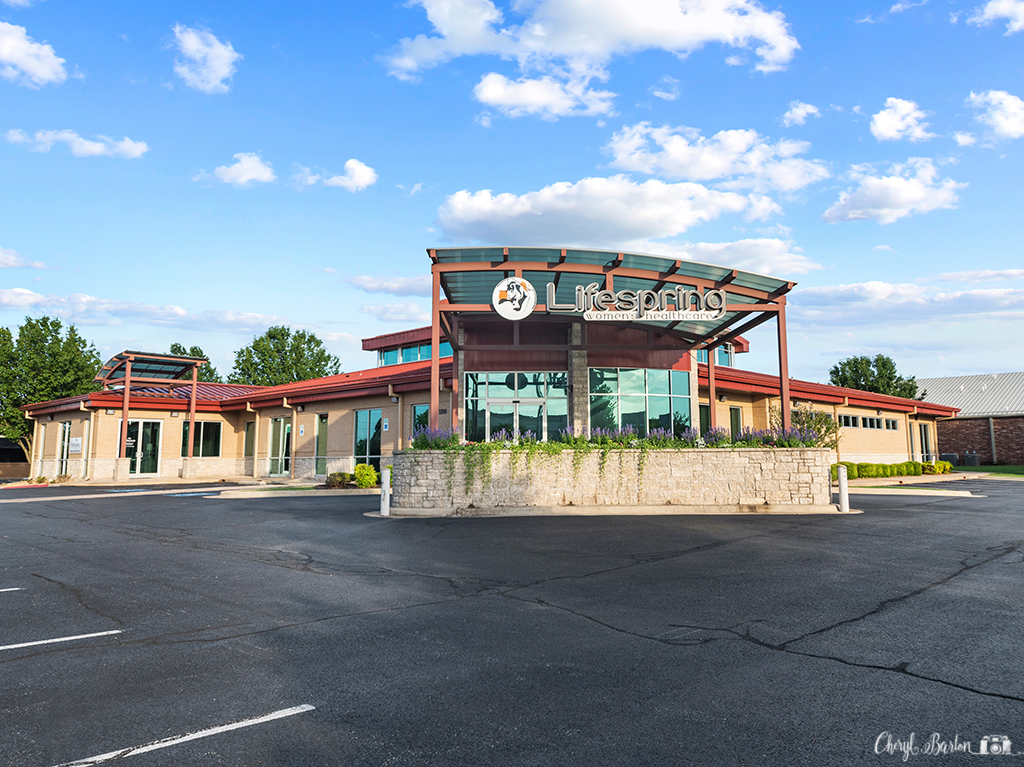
{"type": "Point", "coordinates": [700, 477]}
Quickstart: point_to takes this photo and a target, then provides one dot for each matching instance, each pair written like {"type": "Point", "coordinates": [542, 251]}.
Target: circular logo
{"type": "Point", "coordinates": [514, 298]}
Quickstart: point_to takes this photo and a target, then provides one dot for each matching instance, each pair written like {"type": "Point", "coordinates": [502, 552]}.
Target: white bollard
{"type": "Point", "coordinates": [844, 490]}
{"type": "Point", "coordinates": [385, 491]}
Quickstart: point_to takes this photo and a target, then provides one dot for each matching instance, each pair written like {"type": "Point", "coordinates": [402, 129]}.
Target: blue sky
{"type": "Point", "coordinates": [196, 172]}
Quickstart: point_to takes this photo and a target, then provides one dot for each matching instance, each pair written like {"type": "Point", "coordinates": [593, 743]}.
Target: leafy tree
{"type": "Point", "coordinates": [280, 356]}
{"type": "Point", "coordinates": [207, 372]}
{"type": "Point", "coordinates": [876, 375]}
{"type": "Point", "coordinates": [42, 363]}
{"type": "Point", "coordinates": [803, 416]}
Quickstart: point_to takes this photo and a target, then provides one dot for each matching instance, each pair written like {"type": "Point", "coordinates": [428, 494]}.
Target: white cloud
{"type": "Point", "coordinates": [798, 113]}
{"type": "Point", "coordinates": [764, 255]}
{"type": "Point", "coordinates": [247, 168]}
{"type": "Point", "coordinates": [906, 6]}
{"type": "Point", "coordinates": [735, 61]}
{"type": "Point", "coordinates": [396, 286]}
{"type": "Point", "coordinates": [667, 89]}
{"type": "Point", "coordinates": [573, 42]}
{"type": "Point", "coordinates": [743, 158]}
{"type": "Point", "coordinates": [911, 187]}
{"type": "Point", "coordinates": [357, 176]}
{"type": "Point", "coordinates": [208, 63]}
{"type": "Point", "coordinates": [900, 119]}
{"type": "Point", "coordinates": [407, 312]}
{"type": "Point", "coordinates": [593, 211]}
{"type": "Point", "coordinates": [978, 275]}
{"type": "Point", "coordinates": [18, 3]}
{"type": "Point", "coordinates": [11, 258]}
{"type": "Point", "coordinates": [89, 310]}
{"type": "Point", "coordinates": [545, 97]}
{"type": "Point", "coordinates": [884, 247]}
{"type": "Point", "coordinates": [1004, 112]}
{"type": "Point", "coordinates": [23, 61]}
{"type": "Point", "coordinates": [101, 146]}
{"type": "Point", "coordinates": [1011, 10]}
{"type": "Point", "coordinates": [965, 139]}
{"type": "Point", "coordinates": [304, 176]}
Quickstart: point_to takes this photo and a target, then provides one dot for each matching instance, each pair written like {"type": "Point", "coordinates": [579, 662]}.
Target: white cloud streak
{"type": "Point", "coordinates": [741, 158]}
{"type": "Point", "coordinates": [247, 169]}
{"type": "Point", "coordinates": [798, 113]}
{"type": "Point", "coordinates": [10, 259]}
{"type": "Point", "coordinates": [395, 286]}
{"type": "Point", "coordinates": [100, 146]}
{"type": "Point", "coordinates": [900, 119]}
{"type": "Point", "coordinates": [979, 275]}
{"type": "Point", "coordinates": [1004, 112]}
{"type": "Point", "coordinates": [911, 188]}
{"type": "Point", "coordinates": [764, 255]}
{"type": "Point", "coordinates": [405, 312]}
{"type": "Point", "coordinates": [545, 96]}
{"type": "Point", "coordinates": [995, 10]}
{"type": "Point", "coordinates": [23, 61]}
{"type": "Point", "coordinates": [208, 64]}
{"type": "Point", "coordinates": [592, 212]}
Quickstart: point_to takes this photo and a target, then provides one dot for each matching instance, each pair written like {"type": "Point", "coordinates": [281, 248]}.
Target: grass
{"type": "Point", "coordinates": [1007, 471]}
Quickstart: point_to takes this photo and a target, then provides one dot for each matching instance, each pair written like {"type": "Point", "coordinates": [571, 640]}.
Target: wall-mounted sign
{"type": "Point", "coordinates": [626, 305]}
{"type": "Point", "coordinates": [75, 445]}
{"type": "Point", "coordinates": [514, 298]}
{"type": "Point", "coordinates": [384, 426]}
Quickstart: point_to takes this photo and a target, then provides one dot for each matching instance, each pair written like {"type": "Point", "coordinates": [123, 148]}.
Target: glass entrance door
{"type": "Point", "coordinates": [517, 417]}
{"type": "Point", "coordinates": [280, 446]}
{"type": "Point", "coordinates": [63, 447]}
{"type": "Point", "coordinates": [143, 448]}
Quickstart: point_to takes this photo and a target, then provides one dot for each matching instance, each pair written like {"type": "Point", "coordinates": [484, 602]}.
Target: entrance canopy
{"type": "Point", "coordinates": [702, 305]}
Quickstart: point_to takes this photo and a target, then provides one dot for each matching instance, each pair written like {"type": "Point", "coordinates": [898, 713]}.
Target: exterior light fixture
{"type": "Point", "coordinates": [395, 400]}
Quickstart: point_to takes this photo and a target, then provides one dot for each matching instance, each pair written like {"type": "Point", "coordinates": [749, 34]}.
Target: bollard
{"type": "Point", "coordinates": [385, 491]}
{"type": "Point", "coordinates": [844, 490]}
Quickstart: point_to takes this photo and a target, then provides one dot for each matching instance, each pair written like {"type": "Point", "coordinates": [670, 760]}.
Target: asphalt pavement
{"type": "Point", "coordinates": [193, 630]}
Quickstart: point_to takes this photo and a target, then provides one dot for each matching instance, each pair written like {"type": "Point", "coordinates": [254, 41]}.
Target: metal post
{"type": "Point", "coordinates": [435, 341]}
{"type": "Point", "coordinates": [712, 394]}
{"type": "Point", "coordinates": [385, 491]}
{"type": "Point", "coordinates": [123, 448]}
{"type": "Point", "coordinates": [787, 420]}
{"type": "Point", "coordinates": [192, 411]}
{"type": "Point", "coordinates": [844, 490]}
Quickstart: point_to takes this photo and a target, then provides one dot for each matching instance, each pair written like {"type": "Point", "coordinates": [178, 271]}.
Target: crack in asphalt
{"type": "Point", "coordinates": [80, 598]}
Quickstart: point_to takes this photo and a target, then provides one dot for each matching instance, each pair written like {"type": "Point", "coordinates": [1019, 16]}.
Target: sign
{"type": "Point", "coordinates": [75, 445]}
{"type": "Point", "coordinates": [514, 298]}
{"type": "Point", "coordinates": [384, 426]}
{"type": "Point", "coordinates": [302, 430]}
{"type": "Point", "coordinates": [627, 305]}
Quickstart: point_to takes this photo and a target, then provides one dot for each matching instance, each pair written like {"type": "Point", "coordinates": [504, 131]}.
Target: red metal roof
{"type": "Point", "coordinates": [401, 338]}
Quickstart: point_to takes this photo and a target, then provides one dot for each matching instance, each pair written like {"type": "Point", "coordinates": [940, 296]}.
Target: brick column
{"type": "Point", "coordinates": [579, 382]}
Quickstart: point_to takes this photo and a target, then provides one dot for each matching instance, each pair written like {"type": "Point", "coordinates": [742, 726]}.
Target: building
{"type": "Point", "coordinates": [990, 424]}
{"type": "Point", "coordinates": [522, 340]}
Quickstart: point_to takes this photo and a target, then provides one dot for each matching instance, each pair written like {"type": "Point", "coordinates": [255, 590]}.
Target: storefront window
{"type": "Point", "coordinates": [515, 402]}
{"type": "Point", "coordinates": [643, 399]}
{"type": "Point", "coordinates": [367, 448]}
{"type": "Point", "coordinates": [206, 443]}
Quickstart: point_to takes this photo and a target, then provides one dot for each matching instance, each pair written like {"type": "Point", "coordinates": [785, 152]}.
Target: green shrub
{"type": "Point", "coordinates": [366, 476]}
{"type": "Point", "coordinates": [885, 470]}
{"type": "Point", "coordinates": [945, 467]}
{"type": "Point", "coordinates": [866, 470]}
{"type": "Point", "coordinates": [900, 469]}
{"type": "Point", "coordinates": [851, 470]}
{"type": "Point", "coordinates": [336, 480]}
{"type": "Point", "coordinates": [918, 468]}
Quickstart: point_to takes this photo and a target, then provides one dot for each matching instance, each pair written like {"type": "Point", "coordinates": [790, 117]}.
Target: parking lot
{"type": "Point", "coordinates": [187, 629]}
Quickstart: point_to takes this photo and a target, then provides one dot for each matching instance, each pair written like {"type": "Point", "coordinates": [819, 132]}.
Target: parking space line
{"type": "Point", "coordinates": [18, 589]}
{"type": "Point", "coordinates": [156, 744]}
{"type": "Point", "coordinates": [59, 639]}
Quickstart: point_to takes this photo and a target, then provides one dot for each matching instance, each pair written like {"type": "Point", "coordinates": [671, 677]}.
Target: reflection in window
{"type": "Point", "coordinates": [367, 447]}
{"type": "Point", "coordinates": [643, 399]}
{"type": "Point", "coordinates": [205, 444]}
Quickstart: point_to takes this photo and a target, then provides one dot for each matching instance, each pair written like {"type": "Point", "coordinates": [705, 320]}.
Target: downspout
{"type": "Point", "coordinates": [122, 449]}
{"type": "Point", "coordinates": [87, 448]}
{"type": "Point", "coordinates": [291, 442]}
{"type": "Point", "coordinates": [36, 448]}
{"type": "Point", "coordinates": [992, 437]}
{"type": "Point", "coordinates": [401, 411]}
{"type": "Point", "coordinates": [255, 438]}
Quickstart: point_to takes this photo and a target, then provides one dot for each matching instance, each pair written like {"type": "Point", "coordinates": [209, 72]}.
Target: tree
{"type": "Point", "coordinates": [876, 375]}
{"type": "Point", "coordinates": [280, 356]}
{"type": "Point", "coordinates": [42, 363]}
{"type": "Point", "coordinates": [207, 372]}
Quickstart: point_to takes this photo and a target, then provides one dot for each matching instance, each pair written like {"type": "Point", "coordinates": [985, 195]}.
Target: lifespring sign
{"type": "Point", "coordinates": [514, 298]}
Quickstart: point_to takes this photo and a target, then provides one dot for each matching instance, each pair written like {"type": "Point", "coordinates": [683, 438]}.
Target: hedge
{"type": "Point", "coordinates": [879, 470]}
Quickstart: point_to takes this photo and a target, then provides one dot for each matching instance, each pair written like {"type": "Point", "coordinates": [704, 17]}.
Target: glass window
{"type": "Point", "coordinates": [425, 351]}
{"type": "Point", "coordinates": [558, 417]}
{"type": "Point", "coordinates": [501, 385]}
{"type": "Point", "coordinates": [681, 382]}
{"type": "Point", "coordinates": [445, 349]}
{"type": "Point", "coordinates": [476, 430]}
{"type": "Point", "coordinates": [705, 418]}
{"type": "Point", "coordinates": [320, 457]}
{"type": "Point", "coordinates": [420, 416]}
{"type": "Point", "coordinates": [659, 413]}
{"type": "Point", "coordinates": [735, 422]}
{"type": "Point", "coordinates": [476, 385]}
{"type": "Point", "coordinates": [205, 444]}
{"type": "Point", "coordinates": [632, 412]}
{"type": "Point", "coordinates": [389, 357]}
{"type": "Point", "coordinates": [604, 411]}
{"type": "Point", "coordinates": [502, 419]}
{"type": "Point", "coordinates": [604, 381]}
{"type": "Point", "coordinates": [367, 447]}
{"type": "Point", "coordinates": [410, 353]}
{"type": "Point", "coordinates": [657, 381]}
{"type": "Point", "coordinates": [533, 386]}
{"type": "Point", "coordinates": [680, 415]}
{"type": "Point", "coordinates": [632, 381]}
{"type": "Point", "coordinates": [701, 355]}
{"type": "Point", "coordinates": [250, 439]}
{"type": "Point", "coordinates": [557, 384]}
{"type": "Point", "coordinates": [724, 356]}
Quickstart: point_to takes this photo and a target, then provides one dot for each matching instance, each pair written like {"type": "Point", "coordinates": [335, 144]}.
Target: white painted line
{"type": "Point", "coordinates": [1, 590]}
{"type": "Point", "coordinates": [59, 639]}
{"type": "Point", "coordinates": [156, 744]}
